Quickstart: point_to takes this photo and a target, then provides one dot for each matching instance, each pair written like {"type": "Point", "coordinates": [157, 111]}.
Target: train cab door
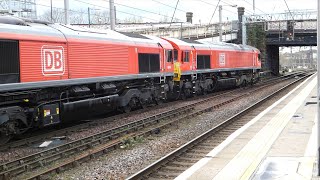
{"type": "Point", "coordinates": [177, 65]}
{"type": "Point", "coordinates": [162, 53]}
{"type": "Point", "coordinates": [162, 64]}
{"type": "Point", "coordinates": [193, 54]}
{"type": "Point", "coordinates": [253, 58]}
{"type": "Point", "coordinates": [162, 78]}
{"type": "Point", "coordinates": [194, 75]}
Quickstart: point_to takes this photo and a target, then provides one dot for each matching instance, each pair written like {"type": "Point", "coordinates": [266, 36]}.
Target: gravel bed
{"type": "Point", "coordinates": [122, 163]}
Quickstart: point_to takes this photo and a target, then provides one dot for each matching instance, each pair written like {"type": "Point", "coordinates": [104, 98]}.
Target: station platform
{"type": "Point", "coordinates": [279, 143]}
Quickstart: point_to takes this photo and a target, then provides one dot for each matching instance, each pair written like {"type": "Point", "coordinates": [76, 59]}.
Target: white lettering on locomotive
{"type": "Point", "coordinates": [53, 62]}
{"type": "Point", "coordinates": [222, 59]}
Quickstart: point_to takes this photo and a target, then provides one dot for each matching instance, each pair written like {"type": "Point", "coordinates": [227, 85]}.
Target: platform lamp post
{"type": "Point", "coordinates": [220, 20]}
{"type": "Point", "coordinates": [89, 16]}
{"type": "Point", "coordinates": [89, 19]}
{"type": "Point", "coordinates": [66, 11]}
{"type": "Point", "coordinates": [51, 15]}
{"type": "Point", "coordinates": [112, 15]}
{"type": "Point", "coordinates": [318, 85]}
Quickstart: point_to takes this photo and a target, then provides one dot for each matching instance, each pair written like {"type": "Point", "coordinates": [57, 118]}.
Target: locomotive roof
{"type": "Point", "coordinates": [164, 43]}
{"type": "Point", "coordinates": [231, 46]}
{"type": "Point", "coordinates": [211, 45]}
{"type": "Point", "coordinates": [98, 34]}
{"type": "Point", "coordinates": [33, 29]}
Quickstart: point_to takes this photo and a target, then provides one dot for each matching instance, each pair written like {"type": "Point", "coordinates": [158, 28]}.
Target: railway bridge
{"type": "Point", "coordinates": [175, 30]}
{"type": "Point", "coordinates": [298, 28]}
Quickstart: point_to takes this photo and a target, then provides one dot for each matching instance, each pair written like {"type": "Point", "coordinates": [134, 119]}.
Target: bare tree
{"type": "Point", "coordinates": [57, 16]}
{"type": "Point", "coordinates": [81, 16]}
{"type": "Point", "coordinates": [100, 17]}
{"type": "Point", "coordinates": [176, 20]}
{"type": "Point", "coordinates": [164, 18]}
{"type": "Point", "coordinates": [76, 17]}
{"type": "Point", "coordinates": [133, 19]}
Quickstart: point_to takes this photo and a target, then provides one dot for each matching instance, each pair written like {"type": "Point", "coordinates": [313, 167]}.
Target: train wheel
{"type": "Point", "coordinates": [5, 135]}
{"type": "Point", "coordinates": [204, 92]}
{"type": "Point", "coordinates": [183, 96]}
{"type": "Point", "coordinates": [127, 109]}
{"type": "Point", "coordinates": [159, 101]}
{"type": "Point", "coordinates": [244, 83]}
{"type": "Point", "coordinates": [143, 105]}
{"type": "Point", "coordinates": [4, 138]}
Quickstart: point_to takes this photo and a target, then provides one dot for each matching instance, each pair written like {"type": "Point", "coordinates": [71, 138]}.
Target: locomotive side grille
{"type": "Point", "coordinates": [9, 61]}
{"type": "Point", "coordinates": [149, 63]}
{"type": "Point", "coordinates": [203, 62]}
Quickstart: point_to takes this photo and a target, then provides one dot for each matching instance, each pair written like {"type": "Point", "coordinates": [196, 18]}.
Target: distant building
{"type": "Point", "coordinates": [21, 8]}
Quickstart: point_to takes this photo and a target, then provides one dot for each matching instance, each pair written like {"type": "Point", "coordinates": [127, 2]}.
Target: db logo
{"type": "Point", "coordinates": [53, 62]}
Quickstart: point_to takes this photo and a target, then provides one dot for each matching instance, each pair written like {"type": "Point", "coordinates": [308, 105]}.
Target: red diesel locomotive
{"type": "Point", "coordinates": [50, 70]}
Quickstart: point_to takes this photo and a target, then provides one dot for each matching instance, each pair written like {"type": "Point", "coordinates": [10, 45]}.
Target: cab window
{"type": "Point", "coordinates": [185, 55]}
{"type": "Point", "coordinates": [169, 55]}
{"type": "Point", "coordinates": [175, 55]}
{"type": "Point", "coordinates": [259, 57]}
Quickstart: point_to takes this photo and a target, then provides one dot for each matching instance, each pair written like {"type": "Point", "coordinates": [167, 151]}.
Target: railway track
{"type": "Point", "coordinates": [184, 157]}
{"type": "Point", "coordinates": [71, 153]}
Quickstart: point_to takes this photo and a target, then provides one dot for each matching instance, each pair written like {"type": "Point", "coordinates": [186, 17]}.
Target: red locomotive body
{"type": "Point", "coordinates": [49, 70]}
{"type": "Point", "coordinates": [223, 63]}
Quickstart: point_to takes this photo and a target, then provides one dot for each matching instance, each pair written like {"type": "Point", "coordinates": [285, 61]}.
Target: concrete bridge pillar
{"type": "Point", "coordinates": [240, 14]}
{"type": "Point", "coordinates": [272, 59]}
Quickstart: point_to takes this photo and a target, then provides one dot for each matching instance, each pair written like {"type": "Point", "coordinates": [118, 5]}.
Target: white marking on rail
{"type": "Point", "coordinates": [45, 144]}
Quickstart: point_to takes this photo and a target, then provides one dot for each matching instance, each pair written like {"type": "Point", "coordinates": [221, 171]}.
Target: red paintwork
{"type": "Point", "coordinates": [233, 59]}
{"type": "Point", "coordinates": [185, 66]}
{"type": "Point", "coordinates": [86, 58]}
{"type": "Point", "coordinates": [31, 62]}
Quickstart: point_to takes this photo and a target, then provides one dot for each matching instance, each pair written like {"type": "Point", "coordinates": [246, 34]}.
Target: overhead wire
{"type": "Point", "coordinates": [289, 10]}
{"type": "Point", "coordinates": [80, 12]}
{"type": "Point", "coordinates": [140, 9]}
{"type": "Point", "coordinates": [174, 12]}
{"type": "Point", "coordinates": [131, 8]}
{"type": "Point", "coordinates": [168, 5]}
{"type": "Point", "coordinates": [230, 11]}
{"type": "Point", "coordinates": [117, 10]}
{"type": "Point", "coordinates": [215, 9]}
{"type": "Point", "coordinates": [255, 7]}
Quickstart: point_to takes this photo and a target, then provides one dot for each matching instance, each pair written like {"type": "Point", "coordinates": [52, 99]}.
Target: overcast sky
{"type": "Point", "coordinates": [202, 9]}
